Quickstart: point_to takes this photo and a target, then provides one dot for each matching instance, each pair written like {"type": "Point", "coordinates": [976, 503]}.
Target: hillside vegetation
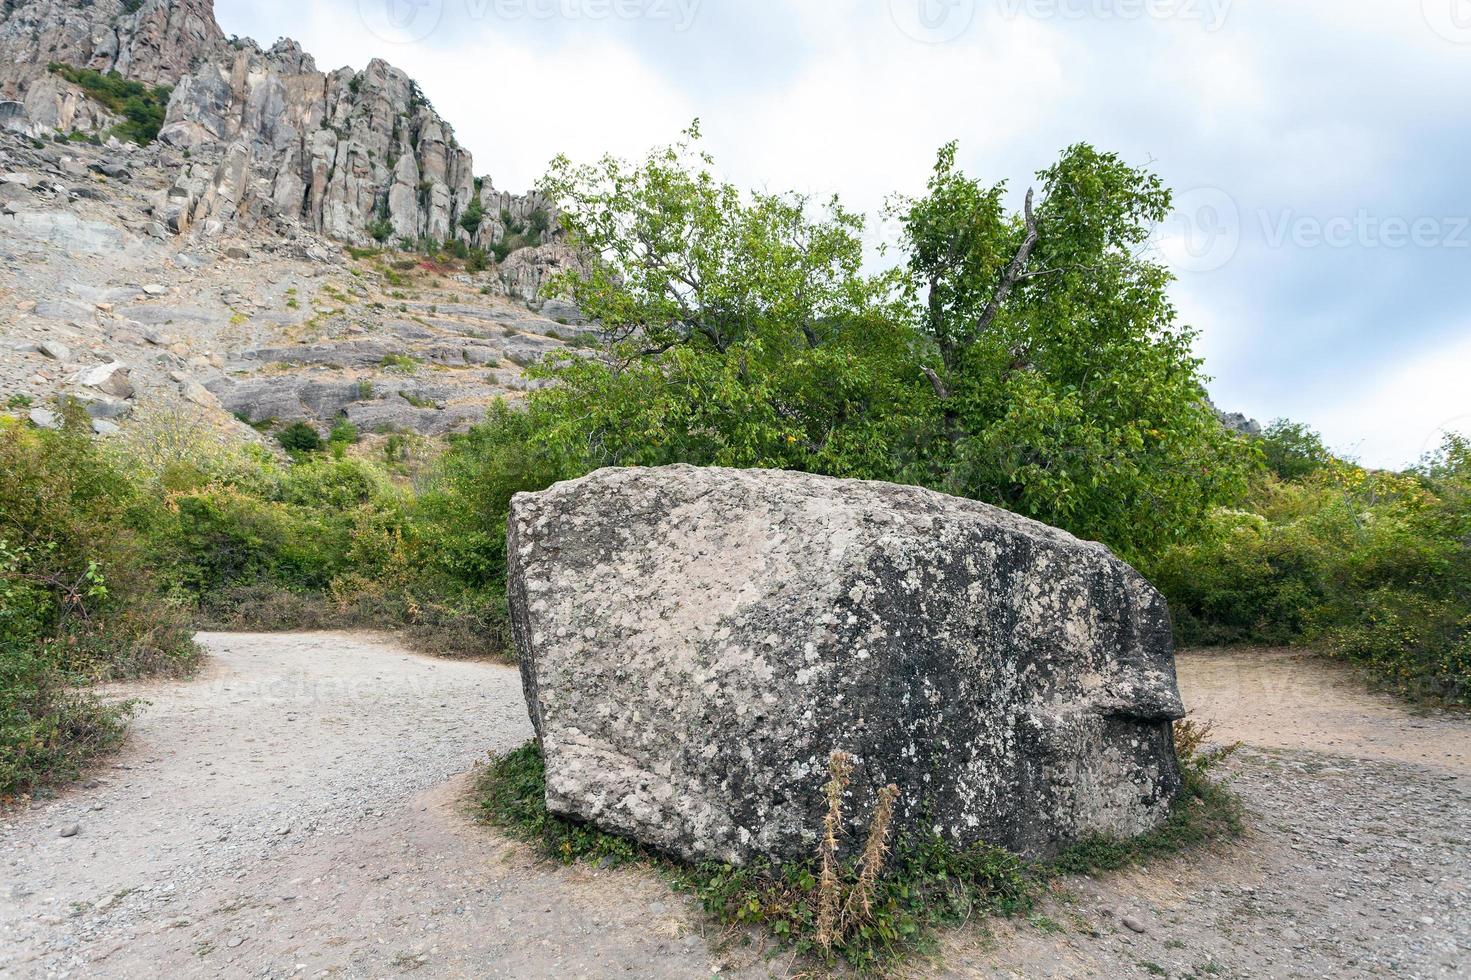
{"type": "Point", "coordinates": [1373, 567]}
{"type": "Point", "coordinates": [142, 108]}
{"type": "Point", "coordinates": [1030, 358]}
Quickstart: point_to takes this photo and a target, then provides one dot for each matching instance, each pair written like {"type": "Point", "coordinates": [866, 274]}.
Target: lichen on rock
{"type": "Point", "coordinates": [695, 642]}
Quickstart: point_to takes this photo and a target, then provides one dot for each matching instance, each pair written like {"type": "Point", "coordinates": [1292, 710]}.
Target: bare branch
{"type": "Point", "coordinates": [1013, 271]}
{"type": "Point", "coordinates": [941, 391]}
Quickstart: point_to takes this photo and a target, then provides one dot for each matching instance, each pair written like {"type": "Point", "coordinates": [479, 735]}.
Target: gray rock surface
{"type": "Point", "coordinates": [154, 42]}
{"type": "Point", "coordinates": [526, 272]}
{"type": "Point", "coordinates": [696, 642]}
{"type": "Point", "coordinates": [259, 139]}
{"type": "Point", "coordinates": [293, 331]}
{"type": "Point", "coordinates": [112, 378]}
{"type": "Point", "coordinates": [44, 418]}
{"type": "Point", "coordinates": [214, 247]}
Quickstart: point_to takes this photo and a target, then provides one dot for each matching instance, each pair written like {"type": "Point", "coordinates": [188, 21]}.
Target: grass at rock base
{"type": "Point", "coordinates": [926, 884]}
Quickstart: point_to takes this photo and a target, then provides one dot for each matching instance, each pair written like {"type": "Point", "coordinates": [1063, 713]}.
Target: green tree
{"type": "Point", "coordinates": [1292, 450]}
{"type": "Point", "coordinates": [1029, 359]}
{"type": "Point", "coordinates": [1069, 391]}
{"type": "Point", "coordinates": [739, 329]}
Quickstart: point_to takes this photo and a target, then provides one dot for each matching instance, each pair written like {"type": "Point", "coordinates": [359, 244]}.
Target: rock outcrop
{"type": "Point", "coordinates": [270, 138]}
{"type": "Point", "coordinates": [695, 643]}
{"type": "Point", "coordinates": [268, 329]}
{"type": "Point", "coordinates": [1237, 422]}
{"type": "Point", "coordinates": [265, 140]}
{"type": "Point", "coordinates": [527, 271]}
{"type": "Point", "coordinates": [155, 42]}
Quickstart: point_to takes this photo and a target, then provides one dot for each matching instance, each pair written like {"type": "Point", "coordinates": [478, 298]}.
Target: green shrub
{"type": "Point", "coordinates": [473, 216]}
{"type": "Point", "coordinates": [79, 600]}
{"type": "Point", "coordinates": [461, 514]}
{"type": "Point", "coordinates": [400, 363]}
{"type": "Point", "coordinates": [300, 437]}
{"type": "Point", "coordinates": [50, 728]}
{"type": "Point", "coordinates": [324, 542]}
{"type": "Point", "coordinates": [143, 109]}
{"type": "Point", "coordinates": [1373, 567]}
{"type": "Point", "coordinates": [380, 229]}
{"type": "Point", "coordinates": [345, 432]}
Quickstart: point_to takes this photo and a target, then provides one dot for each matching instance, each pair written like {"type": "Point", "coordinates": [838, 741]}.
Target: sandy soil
{"type": "Point", "coordinates": [1357, 863]}
{"type": "Point", "coordinates": [1283, 699]}
{"type": "Point", "coordinates": [301, 809]}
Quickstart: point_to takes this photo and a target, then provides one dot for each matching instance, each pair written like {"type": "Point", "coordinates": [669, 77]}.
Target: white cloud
{"type": "Point", "coordinates": [1392, 419]}
{"type": "Point", "coordinates": [513, 107]}
{"type": "Point", "coordinates": [867, 113]}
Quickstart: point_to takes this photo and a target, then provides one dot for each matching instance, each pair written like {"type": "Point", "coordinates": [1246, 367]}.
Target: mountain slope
{"type": "Point", "coordinates": [273, 143]}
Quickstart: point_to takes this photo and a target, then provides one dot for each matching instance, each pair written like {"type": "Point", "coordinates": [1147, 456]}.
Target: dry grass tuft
{"type": "Point", "coordinates": [875, 851]}
{"type": "Point", "coordinates": [844, 907]}
{"type": "Point", "coordinates": [1193, 746]}
{"type": "Point", "coordinates": [840, 769]}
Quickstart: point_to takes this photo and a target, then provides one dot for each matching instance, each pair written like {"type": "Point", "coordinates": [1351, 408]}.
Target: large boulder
{"type": "Point", "coordinates": [695, 643]}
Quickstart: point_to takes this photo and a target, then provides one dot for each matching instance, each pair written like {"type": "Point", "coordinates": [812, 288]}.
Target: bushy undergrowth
{"type": "Point", "coordinates": [319, 543]}
{"type": "Point", "coordinates": [143, 108]}
{"type": "Point", "coordinates": [1374, 567]}
{"type": "Point", "coordinates": [78, 602]}
{"type": "Point", "coordinates": [867, 921]}
{"type": "Point", "coordinates": [112, 553]}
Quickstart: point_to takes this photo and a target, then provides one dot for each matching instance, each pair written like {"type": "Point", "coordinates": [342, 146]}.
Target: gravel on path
{"type": "Point", "coordinates": [301, 809]}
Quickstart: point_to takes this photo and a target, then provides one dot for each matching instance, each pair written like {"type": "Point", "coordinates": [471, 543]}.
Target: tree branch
{"type": "Point", "coordinates": [1013, 271]}
{"type": "Point", "coordinates": [941, 391]}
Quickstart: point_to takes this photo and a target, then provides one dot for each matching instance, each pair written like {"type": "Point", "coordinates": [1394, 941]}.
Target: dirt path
{"type": "Point", "coordinates": [1358, 863]}
{"type": "Point", "coordinates": [300, 811]}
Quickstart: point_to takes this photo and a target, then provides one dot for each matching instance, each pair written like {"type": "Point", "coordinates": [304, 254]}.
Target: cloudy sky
{"type": "Point", "coordinates": [1320, 149]}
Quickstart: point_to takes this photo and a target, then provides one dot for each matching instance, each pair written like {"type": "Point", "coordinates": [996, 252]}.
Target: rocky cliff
{"type": "Point", "coordinates": [241, 333]}
{"type": "Point", "coordinates": [272, 142]}
{"type": "Point", "coordinates": [155, 42]}
{"type": "Point", "coordinates": [172, 204]}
